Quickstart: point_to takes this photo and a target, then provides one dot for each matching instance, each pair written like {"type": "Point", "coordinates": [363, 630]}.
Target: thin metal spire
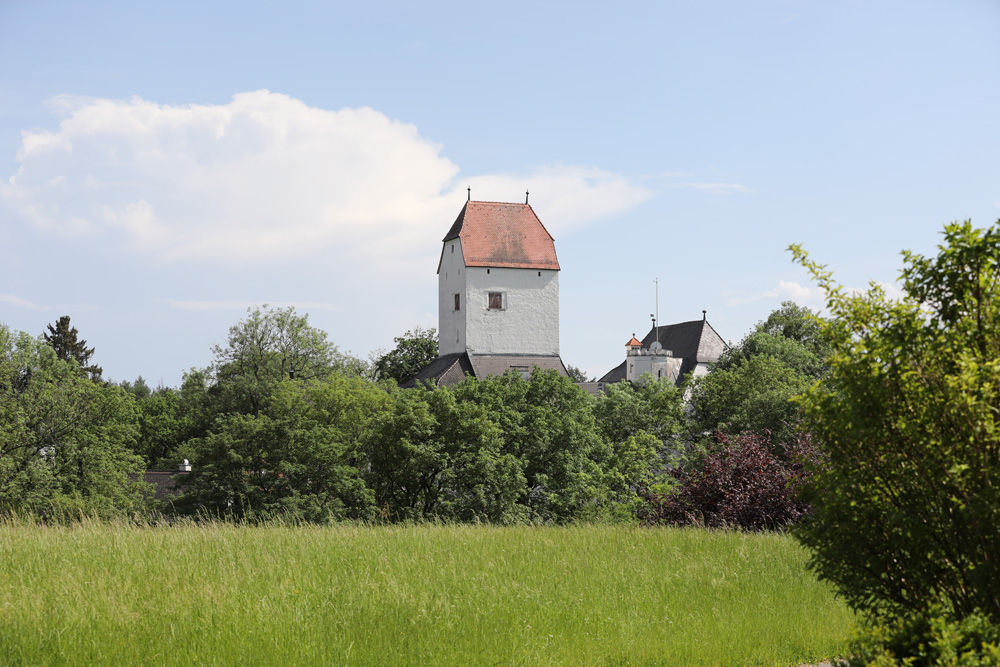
{"type": "Point", "coordinates": [470, 193]}
{"type": "Point", "coordinates": [656, 281]}
{"type": "Point", "coordinates": [526, 197]}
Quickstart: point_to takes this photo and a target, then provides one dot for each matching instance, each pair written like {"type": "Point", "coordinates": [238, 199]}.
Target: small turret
{"type": "Point", "coordinates": [653, 360]}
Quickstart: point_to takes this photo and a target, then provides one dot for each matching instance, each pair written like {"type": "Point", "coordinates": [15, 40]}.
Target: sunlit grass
{"type": "Point", "coordinates": [423, 595]}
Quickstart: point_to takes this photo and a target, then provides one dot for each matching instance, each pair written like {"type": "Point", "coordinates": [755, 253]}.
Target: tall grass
{"type": "Point", "coordinates": [99, 593]}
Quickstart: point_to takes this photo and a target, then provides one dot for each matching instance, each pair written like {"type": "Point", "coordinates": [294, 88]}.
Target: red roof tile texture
{"type": "Point", "coordinates": [503, 235]}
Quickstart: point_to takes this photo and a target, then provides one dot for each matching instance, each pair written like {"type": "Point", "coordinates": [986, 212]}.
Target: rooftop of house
{"type": "Point", "coordinates": [452, 368]}
{"type": "Point", "coordinates": [695, 339]}
{"type": "Point", "coordinates": [166, 483]}
{"type": "Point", "coordinates": [504, 235]}
{"type": "Point", "coordinates": [694, 342]}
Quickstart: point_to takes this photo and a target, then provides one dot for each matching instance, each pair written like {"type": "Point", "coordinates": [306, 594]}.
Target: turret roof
{"type": "Point", "coordinates": [505, 235]}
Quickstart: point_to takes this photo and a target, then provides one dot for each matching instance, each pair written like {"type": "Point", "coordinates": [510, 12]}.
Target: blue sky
{"type": "Point", "coordinates": [164, 166]}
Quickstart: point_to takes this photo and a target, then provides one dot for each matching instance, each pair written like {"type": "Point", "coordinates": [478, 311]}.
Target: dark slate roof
{"type": "Point", "coordinates": [166, 483]}
{"type": "Point", "coordinates": [696, 339]}
{"type": "Point", "coordinates": [449, 369]}
{"type": "Point", "coordinates": [498, 364]}
{"type": "Point", "coordinates": [452, 368]}
{"type": "Point", "coordinates": [616, 374]}
{"type": "Point", "coordinates": [694, 342]}
{"type": "Point", "coordinates": [592, 388]}
{"type": "Point", "coordinates": [502, 234]}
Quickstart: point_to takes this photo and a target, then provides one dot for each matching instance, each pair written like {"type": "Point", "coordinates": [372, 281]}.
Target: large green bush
{"type": "Point", "coordinates": [928, 639]}
{"type": "Point", "coordinates": [907, 514]}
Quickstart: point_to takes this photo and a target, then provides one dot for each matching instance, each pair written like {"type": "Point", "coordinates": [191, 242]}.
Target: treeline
{"type": "Point", "coordinates": [284, 424]}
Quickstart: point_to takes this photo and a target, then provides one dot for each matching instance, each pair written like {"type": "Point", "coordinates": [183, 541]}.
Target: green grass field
{"type": "Point", "coordinates": [220, 594]}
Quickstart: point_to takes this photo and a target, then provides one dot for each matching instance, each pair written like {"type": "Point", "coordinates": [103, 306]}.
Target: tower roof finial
{"type": "Point", "coordinates": [525, 197]}
{"type": "Point", "coordinates": [470, 193]}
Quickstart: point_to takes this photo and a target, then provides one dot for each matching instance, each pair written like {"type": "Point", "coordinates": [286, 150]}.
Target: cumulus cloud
{"type": "Point", "coordinates": [267, 177]}
{"type": "Point", "coordinates": [566, 197]}
{"type": "Point", "coordinates": [814, 297]}
{"type": "Point", "coordinates": [800, 294]}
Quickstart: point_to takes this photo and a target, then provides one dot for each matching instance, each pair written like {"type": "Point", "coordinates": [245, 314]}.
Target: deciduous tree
{"type": "Point", "coordinates": [268, 346]}
{"type": "Point", "coordinates": [414, 350]}
{"type": "Point", "coordinates": [300, 457]}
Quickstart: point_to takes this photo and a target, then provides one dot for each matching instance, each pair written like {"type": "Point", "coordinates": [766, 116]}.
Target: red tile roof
{"type": "Point", "coordinates": [633, 342]}
{"type": "Point", "coordinates": [503, 235]}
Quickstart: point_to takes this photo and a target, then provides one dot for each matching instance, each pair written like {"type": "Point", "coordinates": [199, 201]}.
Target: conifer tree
{"type": "Point", "coordinates": [63, 340]}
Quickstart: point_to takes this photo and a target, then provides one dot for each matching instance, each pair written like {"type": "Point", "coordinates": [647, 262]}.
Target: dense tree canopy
{"type": "Point", "coordinates": [284, 424]}
{"type": "Point", "coordinates": [751, 386]}
{"type": "Point", "coordinates": [271, 345]}
{"type": "Point", "coordinates": [65, 441]}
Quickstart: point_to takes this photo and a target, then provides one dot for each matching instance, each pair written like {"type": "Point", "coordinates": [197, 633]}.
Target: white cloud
{"type": "Point", "coordinates": [800, 294]}
{"type": "Point", "coordinates": [267, 177]}
{"type": "Point", "coordinates": [18, 301]}
{"type": "Point", "coordinates": [565, 197]}
{"type": "Point", "coordinates": [813, 297]}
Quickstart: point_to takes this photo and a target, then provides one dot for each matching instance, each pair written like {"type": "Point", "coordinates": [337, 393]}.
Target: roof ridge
{"type": "Point", "coordinates": [508, 354]}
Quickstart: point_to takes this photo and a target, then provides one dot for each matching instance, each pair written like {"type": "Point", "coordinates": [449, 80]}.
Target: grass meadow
{"type": "Point", "coordinates": [219, 594]}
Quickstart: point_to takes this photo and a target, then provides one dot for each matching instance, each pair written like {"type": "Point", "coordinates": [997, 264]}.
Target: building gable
{"type": "Point", "coordinates": [696, 344]}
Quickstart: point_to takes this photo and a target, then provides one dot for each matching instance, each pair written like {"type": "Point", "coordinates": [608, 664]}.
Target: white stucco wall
{"type": "Point", "coordinates": [529, 321]}
{"type": "Point", "coordinates": [527, 324]}
{"type": "Point", "coordinates": [658, 365]}
{"type": "Point", "coordinates": [451, 281]}
{"type": "Point", "coordinates": [700, 370]}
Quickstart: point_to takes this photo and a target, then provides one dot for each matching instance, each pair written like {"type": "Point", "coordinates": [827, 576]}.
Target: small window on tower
{"type": "Point", "coordinates": [496, 301]}
{"type": "Point", "coordinates": [458, 302]}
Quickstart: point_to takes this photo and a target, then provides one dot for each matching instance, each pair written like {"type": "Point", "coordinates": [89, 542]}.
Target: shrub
{"type": "Point", "coordinates": [745, 481]}
{"type": "Point", "coordinates": [906, 514]}
{"type": "Point", "coordinates": [928, 639]}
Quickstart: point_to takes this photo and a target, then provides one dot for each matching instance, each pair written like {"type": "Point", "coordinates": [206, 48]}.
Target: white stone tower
{"type": "Point", "coordinates": [498, 283]}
